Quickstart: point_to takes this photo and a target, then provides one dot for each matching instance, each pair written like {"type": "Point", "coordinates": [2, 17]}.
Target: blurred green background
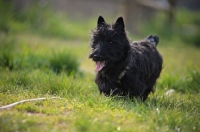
{"type": "Point", "coordinates": [68, 19]}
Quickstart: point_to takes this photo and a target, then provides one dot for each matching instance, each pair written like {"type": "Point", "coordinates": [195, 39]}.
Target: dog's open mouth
{"type": "Point", "coordinates": [100, 65]}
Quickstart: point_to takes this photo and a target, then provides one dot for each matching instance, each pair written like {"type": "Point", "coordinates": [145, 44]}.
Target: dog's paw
{"type": "Point", "coordinates": [154, 39]}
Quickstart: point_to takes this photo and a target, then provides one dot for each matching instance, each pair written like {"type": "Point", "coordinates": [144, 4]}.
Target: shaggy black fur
{"type": "Point", "coordinates": [124, 68]}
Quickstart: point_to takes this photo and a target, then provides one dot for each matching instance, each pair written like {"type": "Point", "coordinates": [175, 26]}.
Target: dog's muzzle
{"type": "Point", "coordinates": [100, 61]}
{"type": "Point", "coordinates": [97, 57]}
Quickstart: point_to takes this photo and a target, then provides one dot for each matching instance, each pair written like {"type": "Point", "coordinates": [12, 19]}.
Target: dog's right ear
{"type": "Point", "coordinates": [100, 21]}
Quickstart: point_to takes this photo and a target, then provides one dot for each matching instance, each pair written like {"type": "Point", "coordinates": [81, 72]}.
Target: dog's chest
{"type": "Point", "coordinates": [117, 77]}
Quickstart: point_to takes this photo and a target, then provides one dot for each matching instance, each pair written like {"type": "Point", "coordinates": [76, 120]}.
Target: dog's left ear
{"type": "Point", "coordinates": [120, 23]}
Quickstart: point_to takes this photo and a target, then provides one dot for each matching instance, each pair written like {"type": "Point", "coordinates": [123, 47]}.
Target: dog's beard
{"type": "Point", "coordinates": [100, 65]}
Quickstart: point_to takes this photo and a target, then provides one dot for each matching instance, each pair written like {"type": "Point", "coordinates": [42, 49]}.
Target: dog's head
{"type": "Point", "coordinates": [109, 43]}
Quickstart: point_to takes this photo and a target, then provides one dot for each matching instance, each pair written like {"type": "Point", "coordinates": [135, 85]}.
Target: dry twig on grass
{"type": "Point", "coordinates": [23, 101]}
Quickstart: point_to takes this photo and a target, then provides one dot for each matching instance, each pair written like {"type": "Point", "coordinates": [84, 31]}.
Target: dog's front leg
{"type": "Point", "coordinates": [107, 87]}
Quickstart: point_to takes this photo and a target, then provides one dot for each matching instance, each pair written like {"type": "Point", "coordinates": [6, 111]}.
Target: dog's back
{"type": "Point", "coordinates": [145, 64]}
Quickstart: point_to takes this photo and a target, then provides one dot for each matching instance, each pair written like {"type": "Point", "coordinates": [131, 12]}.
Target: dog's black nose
{"type": "Point", "coordinates": [97, 57]}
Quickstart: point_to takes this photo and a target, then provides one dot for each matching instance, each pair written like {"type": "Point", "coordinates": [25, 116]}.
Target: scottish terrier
{"type": "Point", "coordinates": [124, 68]}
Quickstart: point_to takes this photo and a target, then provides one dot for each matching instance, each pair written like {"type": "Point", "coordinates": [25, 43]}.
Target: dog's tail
{"type": "Point", "coordinates": [154, 39]}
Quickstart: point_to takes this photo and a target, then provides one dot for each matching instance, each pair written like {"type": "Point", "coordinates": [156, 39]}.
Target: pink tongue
{"type": "Point", "coordinates": [100, 65]}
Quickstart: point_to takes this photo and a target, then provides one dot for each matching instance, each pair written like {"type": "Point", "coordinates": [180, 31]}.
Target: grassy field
{"type": "Point", "coordinates": [35, 64]}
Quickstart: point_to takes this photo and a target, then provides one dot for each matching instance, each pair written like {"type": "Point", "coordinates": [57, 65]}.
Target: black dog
{"type": "Point", "coordinates": [124, 68]}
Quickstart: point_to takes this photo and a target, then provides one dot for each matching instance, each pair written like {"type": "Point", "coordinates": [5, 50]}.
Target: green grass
{"type": "Point", "coordinates": [82, 108]}
{"type": "Point", "coordinates": [33, 65]}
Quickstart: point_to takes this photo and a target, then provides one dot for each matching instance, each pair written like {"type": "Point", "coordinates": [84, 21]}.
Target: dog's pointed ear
{"type": "Point", "coordinates": [100, 21]}
{"type": "Point", "coordinates": [120, 23]}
